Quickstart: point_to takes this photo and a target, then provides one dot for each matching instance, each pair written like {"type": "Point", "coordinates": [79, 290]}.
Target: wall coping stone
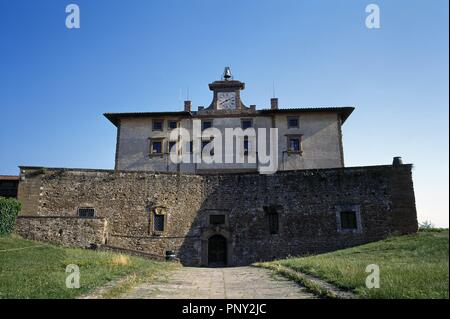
{"type": "Point", "coordinates": [285, 172]}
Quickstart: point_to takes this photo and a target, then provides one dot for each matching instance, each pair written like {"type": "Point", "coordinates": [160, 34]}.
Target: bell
{"type": "Point", "coordinates": [227, 73]}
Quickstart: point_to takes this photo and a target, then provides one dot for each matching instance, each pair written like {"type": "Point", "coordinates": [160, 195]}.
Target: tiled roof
{"type": "Point", "coordinates": [345, 111]}
{"type": "Point", "coordinates": [114, 117]}
{"type": "Point", "coordinates": [9, 178]}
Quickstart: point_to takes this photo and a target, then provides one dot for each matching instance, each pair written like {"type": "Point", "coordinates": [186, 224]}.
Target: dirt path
{"type": "Point", "coordinates": [227, 283]}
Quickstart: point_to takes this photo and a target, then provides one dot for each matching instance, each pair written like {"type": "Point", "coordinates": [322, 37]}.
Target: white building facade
{"type": "Point", "coordinates": [307, 138]}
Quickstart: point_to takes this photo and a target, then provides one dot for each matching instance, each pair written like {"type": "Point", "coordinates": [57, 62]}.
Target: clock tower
{"type": "Point", "coordinates": [226, 94]}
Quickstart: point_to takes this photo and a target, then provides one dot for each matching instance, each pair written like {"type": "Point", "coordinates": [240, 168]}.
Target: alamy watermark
{"type": "Point", "coordinates": [373, 279]}
{"type": "Point", "coordinates": [373, 19]}
{"type": "Point", "coordinates": [73, 17]}
{"type": "Point", "coordinates": [237, 146]}
{"type": "Point", "coordinates": [73, 278]}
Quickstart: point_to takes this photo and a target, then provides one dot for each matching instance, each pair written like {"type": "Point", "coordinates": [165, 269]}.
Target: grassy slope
{"type": "Point", "coordinates": [413, 266]}
{"type": "Point", "coordinates": [39, 272]}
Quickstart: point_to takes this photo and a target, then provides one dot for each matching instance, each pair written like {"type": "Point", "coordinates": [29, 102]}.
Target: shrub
{"type": "Point", "coordinates": [426, 225]}
{"type": "Point", "coordinates": [9, 209]}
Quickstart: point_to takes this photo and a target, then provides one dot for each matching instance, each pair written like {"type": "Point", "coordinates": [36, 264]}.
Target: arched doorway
{"type": "Point", "coordinates": [217, 251]}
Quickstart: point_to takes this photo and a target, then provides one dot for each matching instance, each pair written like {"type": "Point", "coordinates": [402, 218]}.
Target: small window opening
{"type": "Point", "coordinates": [292, 122]}
{"type": "Point", "coordinates": [348, 220]}
{"type": "Point", "coordinates": [246, 124]}
{"type": "Point", "coordinates": [172, 124]}
{"type": "Point", "coordinates": [156, 147]}
{"type": "Point", "coordinates": [86, 212]}
{"type": "Point", "coordinates": [158, 222]}
{"type": "Point", "coordinates": [272, 215]}
{"type": "Point", "coordinates": [158, 125]}
{"type": "Point", "coordinates": [206, 125]}
{"type": "Point", "coordinates": [294, 144]}
{"type": "Point", "coordinates": [217, 219]}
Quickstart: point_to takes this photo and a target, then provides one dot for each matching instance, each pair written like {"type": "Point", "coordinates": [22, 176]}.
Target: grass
{"type": "Point", "coordinates": [31, 269]}
{"type": "Point", "coordinates": [299, 278]}
{"type": "Point", "coordinates": [411, 266]}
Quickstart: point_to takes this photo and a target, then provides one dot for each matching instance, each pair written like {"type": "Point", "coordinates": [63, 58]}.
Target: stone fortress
{"type": "Point", "coordinates": [221, 214]}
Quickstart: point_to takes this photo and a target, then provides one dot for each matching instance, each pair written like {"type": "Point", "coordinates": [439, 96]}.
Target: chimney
{"type": "Point", "coordinates": [187, 106]}
{"type": "Point", "coordinates": [274, 103]}
{"type": "Point", "coordinates": [397, 161]}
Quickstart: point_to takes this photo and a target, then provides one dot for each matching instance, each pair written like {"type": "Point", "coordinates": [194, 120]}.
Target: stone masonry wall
{"type": "Point", "coordinates": [67, 231]}
{"type": "Point", "coordinates": [307, 201]}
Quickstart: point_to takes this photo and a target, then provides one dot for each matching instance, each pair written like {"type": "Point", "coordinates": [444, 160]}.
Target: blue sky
{"type": "Point", "coordinates": [55, 83]}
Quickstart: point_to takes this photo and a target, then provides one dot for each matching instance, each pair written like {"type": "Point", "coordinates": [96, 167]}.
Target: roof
{"type": "Point", "coordinates": [9, 178]}
{"type": "Point", "coordinates": [114, 117]}
{"type": "Point", "coordinates": [226, 84]}
{"type": "Point", "coordinates": [343, 111]}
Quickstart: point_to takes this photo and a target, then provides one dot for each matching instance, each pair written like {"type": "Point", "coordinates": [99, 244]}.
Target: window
{"type": "Point", "coordinates": [292, 122]}
{"type": "Point", "coordinates": [156, 147]}
{"type": "Point", "coordinates": [86, 212]}
{"type": "Point", "coordinates": [247, 145]}
{"type": "Point", "coordinates": [294, 144]}
{"type": "Point", "coordinates": [172, 124]}
{"type": "Point", "coordinates": [158, 125]}
{"type": "Point", "coordinates": [272, 216]}
{"type": "Point", "coordinates": [348, 220]}
{"type": "Point", "coordinates": [348, 217]}
{"type": "Point", "coordinates": [158, 222]}
{"type": "Point", "coordinates": [246, 123]}
{"type": "Point", "coordinates": [171, 145]}
{"type": "Point", "coordinates": [273, 223]}
{"type": "Point", "coordinates": [217, 219]}
{"type": "Point", "coordinates": [206, 125]}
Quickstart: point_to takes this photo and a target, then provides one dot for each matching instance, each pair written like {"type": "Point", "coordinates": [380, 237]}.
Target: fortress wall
{"type": "Point", "coordinates": [308, 204]}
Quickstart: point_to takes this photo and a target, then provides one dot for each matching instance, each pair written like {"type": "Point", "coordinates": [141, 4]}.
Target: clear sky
{"type": "Point", "coordinates": [55, 83]}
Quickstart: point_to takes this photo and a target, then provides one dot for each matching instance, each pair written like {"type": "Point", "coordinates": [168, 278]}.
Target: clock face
{"type": "Point", "coordinates": [226, 100]}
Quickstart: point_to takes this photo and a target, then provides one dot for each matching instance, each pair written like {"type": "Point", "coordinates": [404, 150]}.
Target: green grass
{"type": "Point", "coordinates": [299, 278]}
{"type": "Point", "coordinates": [39, 271]}
{"type": "Point", "coordinates": [412, 266]}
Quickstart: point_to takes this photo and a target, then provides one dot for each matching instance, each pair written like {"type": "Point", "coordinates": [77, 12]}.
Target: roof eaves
{"type": "Point", "coordinates": [115, 117]}
{"type": "Point", "coordinates": [344, 111]}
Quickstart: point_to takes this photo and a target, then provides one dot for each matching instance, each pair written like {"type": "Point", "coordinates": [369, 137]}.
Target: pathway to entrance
{"type": "Point", "coordinates": [226, 283]}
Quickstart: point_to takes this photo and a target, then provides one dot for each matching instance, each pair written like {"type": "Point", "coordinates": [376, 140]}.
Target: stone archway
{"type": "Point", "coordinates": [217, 251]}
